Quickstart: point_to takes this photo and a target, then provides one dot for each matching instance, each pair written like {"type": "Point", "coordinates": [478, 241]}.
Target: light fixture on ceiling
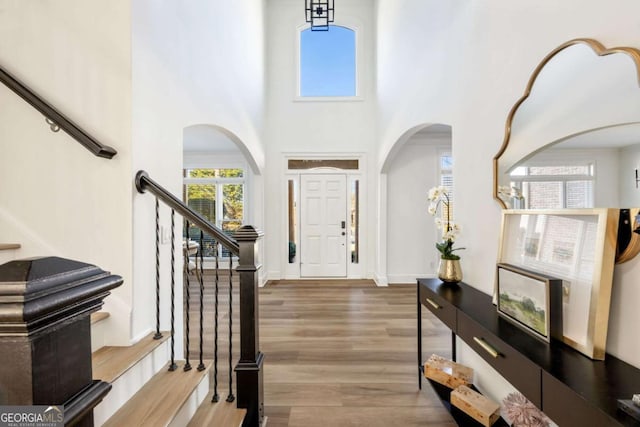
{"type": "Point", "coordinates": [319, 13]}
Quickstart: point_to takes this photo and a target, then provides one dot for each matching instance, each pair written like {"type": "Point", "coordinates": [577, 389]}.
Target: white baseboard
{"type": "Point", "coordinates": [273, 275]}
{"type": "Point", "coordinates": [380, 280]}
{"type": "Point", "coordinates": [408, 278]}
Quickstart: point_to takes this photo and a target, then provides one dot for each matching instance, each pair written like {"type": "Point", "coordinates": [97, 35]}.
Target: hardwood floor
{"type": "Point", "coordinates": [342, 353]}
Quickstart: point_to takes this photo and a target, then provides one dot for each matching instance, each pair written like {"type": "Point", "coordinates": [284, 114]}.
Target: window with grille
{"type": "Point", "coordinates": [446, 181]}
{"type": "Point", "coordinates": [218, 195]}
{"type": "Point", "coordinates": [555, 186]}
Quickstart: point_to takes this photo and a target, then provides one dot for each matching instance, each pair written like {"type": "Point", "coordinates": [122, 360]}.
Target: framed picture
{"type": "Point", "coordinates": [577, 246]}
{"type": "Point", "coordinates": [532, 301]}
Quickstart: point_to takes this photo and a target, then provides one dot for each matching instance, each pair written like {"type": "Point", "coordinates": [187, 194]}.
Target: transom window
{"type": "Point", "coordinates": [217, 195]}
{"type": "Point", "coordinates": [328, 62]}
{"type": "Point", "coordinates": [555, 186]}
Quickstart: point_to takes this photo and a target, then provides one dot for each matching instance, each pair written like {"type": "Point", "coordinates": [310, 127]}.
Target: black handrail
{"type": "Point", "coordinates": [144, 183]}
{"type": "Point", "coordinates": [56, 117]}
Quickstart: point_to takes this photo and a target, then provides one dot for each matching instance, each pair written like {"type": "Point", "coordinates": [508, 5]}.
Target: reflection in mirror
{"type": "Point", "coordinates": [593, 169]}
{"type": "Point", "coordinates": [573, 139]}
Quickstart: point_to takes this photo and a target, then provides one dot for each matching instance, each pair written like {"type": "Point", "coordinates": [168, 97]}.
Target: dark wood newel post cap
{"type": "Point", "coordinates": [38, 293]}
{"type": "Point", "coordinates": [45, 334]}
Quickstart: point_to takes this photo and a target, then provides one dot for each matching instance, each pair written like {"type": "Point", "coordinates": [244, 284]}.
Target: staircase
{"type": "Point", "coordinates": [146, 393]}
{"type": "Point", "coordinates": [143, 390]}
{"type": "Point", "coordinates": [141, 384]}
{"type": "Point", "coordinates": [53, 336]}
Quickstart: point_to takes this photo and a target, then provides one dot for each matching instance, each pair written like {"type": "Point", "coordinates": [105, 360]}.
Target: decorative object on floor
{"type": "Point", "coordinates": [447, 372]}
{"type": "Point", "coordinates": [319, 13]}
{"type": "Point", "coordinates": [532, 301]}
{"type": "Point", "coordinates": [577, 246]}
{"type": "Point", "coordinates": [522, 413]}
{"type": "Point", "coordinates": [477, 406]}
{"type": "Point", "coordinates": [448, 272]}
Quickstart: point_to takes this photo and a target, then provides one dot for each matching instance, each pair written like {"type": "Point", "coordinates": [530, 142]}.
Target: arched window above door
{"type": "Point", "coordinates": [327, 63]}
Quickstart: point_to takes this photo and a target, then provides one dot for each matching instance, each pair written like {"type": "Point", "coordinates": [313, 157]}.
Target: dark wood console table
{"type": "Point", "coordinates": [570, 388]}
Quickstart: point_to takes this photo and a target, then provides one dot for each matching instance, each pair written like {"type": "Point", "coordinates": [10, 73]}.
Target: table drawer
{"type": "Point", "coordinates": [439, 306]}
{"type": "Point", "coordinates": [567, 408]}
{"type": "Point", "coordinates": [514, 367]}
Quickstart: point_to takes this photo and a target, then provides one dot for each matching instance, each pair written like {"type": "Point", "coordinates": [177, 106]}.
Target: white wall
{"type": "Point", "coordinates": [629, 162]}
{"type": "Point", "coordinates": [311, 127]}
{"type": "Point", "coordinates": [134, 75]}
{"type": "Point", "coordinates": [491, 48]}
{"type": "Point", "coordinates": [626, 275]}
{"type": "Point", "coordinates": [57, 197]}
{"type": "Point", "coordinates": [411, 232]}
{"type": "Point", "coordinates": [196, 62]}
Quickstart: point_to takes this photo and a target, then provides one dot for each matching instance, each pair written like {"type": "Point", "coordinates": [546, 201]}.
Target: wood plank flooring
{"type": "Point", "coordinates": [338, 353]}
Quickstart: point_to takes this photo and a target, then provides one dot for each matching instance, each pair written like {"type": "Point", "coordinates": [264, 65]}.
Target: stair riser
{"type": "Point", "coordinates": [191, 405]}
{"type": "Point", "coordinates": [98, 332]}
{"type": "Point", "coordinates": [130, 382]}
{"type": "Point", "coordinates": [8, 255]}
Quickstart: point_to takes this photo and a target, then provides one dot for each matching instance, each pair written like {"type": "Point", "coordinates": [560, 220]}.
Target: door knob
{"type": "Point", "coordinates": [343, 233]}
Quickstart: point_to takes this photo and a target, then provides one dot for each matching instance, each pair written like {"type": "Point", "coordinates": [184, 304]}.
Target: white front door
{"type": "Point", "coordinates": [323, 213]}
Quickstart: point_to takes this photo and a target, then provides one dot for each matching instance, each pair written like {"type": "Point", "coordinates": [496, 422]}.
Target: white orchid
{"type": "Point", "coordinates": [435, 193]}
{"type": "Point", "coordinates": [510, 192]}
{"type": "Point", "coordinates": [450, 230]}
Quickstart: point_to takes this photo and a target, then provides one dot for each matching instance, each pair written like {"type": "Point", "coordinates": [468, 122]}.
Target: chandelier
{"type": "Point", "coordinates": [319, 13]}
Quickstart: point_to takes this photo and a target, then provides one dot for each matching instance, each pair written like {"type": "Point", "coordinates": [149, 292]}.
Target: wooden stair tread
{"type": "Point", "coordinates": [218, 414]}
{"type": "Point", "coordinates": [111, 362]}
{"type": "Point", "coordinates": [98, 316]}
{"type": "Point", "coordinates": [9, 246]}
{"type": "Point", "coordinates": [157, 403]}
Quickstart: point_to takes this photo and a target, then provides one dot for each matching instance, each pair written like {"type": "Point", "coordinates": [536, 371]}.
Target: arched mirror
{"type": "Point", "coordinates": [573, 139]}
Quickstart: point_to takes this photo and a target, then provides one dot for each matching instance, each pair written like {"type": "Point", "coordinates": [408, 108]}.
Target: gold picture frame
{"type": "Point", "coordinates": [577, 246]}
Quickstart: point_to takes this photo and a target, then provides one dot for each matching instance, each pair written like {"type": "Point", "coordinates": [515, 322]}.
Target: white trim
{"type": "Point", "coordinates": [404, 279]}
{"type": "Point", "coordinates": [356, 98]}
{"type": "Point", "coordinates": [381, 281]}
{"type": "Point", "coordinates": [354, 271]}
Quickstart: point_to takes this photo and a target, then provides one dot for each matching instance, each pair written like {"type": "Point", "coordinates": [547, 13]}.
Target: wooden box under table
{"type": "Point", "coordinates": [447, 372]}
{"type": "Point", "coordinates": [477, 406]}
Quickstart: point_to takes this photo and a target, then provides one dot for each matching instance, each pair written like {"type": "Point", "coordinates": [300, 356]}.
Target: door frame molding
{"type": "Point", "coordinates": [354, 271]}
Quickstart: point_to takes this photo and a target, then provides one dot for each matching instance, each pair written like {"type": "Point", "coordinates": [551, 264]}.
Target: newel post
{"type": "Point", "coordinates": [249, 368]}
{"type": "Point", "coordinates": [45, 335]}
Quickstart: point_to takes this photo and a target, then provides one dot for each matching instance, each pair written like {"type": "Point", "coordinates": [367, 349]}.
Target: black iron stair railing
{"type": "Point", "coordinates": [243, 247]}
{"type": "Point", "coordinates": [54, 118]}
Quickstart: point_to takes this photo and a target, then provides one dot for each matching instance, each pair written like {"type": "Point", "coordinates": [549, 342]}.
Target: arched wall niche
{"type": "Point", "coordinates": [410, 168]}
{"type": "Point", "coordinates": [210, 138]}
{"type": "Point", "coordinates": [439, 129]}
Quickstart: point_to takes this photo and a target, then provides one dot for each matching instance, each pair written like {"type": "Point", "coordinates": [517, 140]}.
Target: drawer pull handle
{"type": "Point", "coordinates": [487, 347]}
{"type": "Point", "coordinates": [433, 304]}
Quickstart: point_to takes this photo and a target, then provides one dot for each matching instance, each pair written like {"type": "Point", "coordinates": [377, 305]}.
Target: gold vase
{"type": "Point", "coordinates": [449, 270]}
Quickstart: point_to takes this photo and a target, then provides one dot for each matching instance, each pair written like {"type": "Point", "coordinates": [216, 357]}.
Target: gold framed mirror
{"type": "Point", "coordinates": [572, 140]}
